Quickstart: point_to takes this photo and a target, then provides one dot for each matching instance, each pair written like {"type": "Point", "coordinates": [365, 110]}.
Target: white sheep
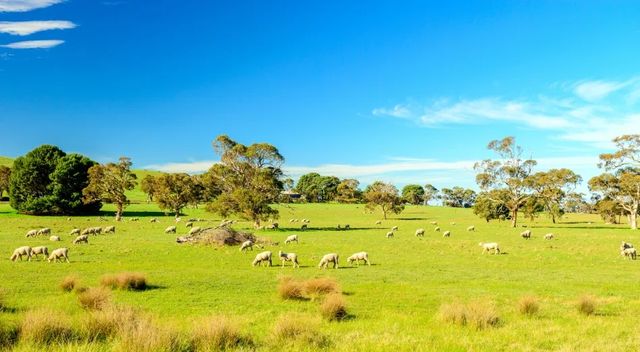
{"type": "Point", "coordinates": [20, 251]}
{"type": "Point", "coordinates": [625, 245]}
{"type": "Point", "coordinates": [452, 223]}
{"type": "Point", "coordinates": [58, 254]}
{"type": "Point", "coordinates": [357, 257]}
{"type": "Point", "coordinates": [246, 245]}
{"type": "Point", "coordinates": [434, 223]}
{"type": "Point", "coordinates": [195, 230]}
{"type": "Point", "coordinates": [526, 234]}
{"type": "Point", "coordinates": [304, 227]}
{"type": "Point", "coordinates": [347, 227]}
{"type": "Point", "coordinates": [291, 220]}
{"type": "Point", "coordinates": [629, 253]}
{"type": "Point", "coordinates": [487, 247]}
{"type": "Point", "coordinates": [44, 231]}
{"type": "Point", "coordinates": [446, 234]}
{"type": "Point", "coordinates": [306, 221]}
{"type": "Point", "coordinates": [153, 220]}
{"type": "Point", "coordinates": [273, 226]}
{"type": "Point", "coordinates": [74, 232]}
{"type": "Point", "coordinates": [549, 236]}
{"type": "Point", "coordinates": [289, 257]}
{"type": "Point", "coordinates": [39, 250]}
{"type": "Point", "coordinates": [471, 228]}
{"type": "Point", "coordinates": [170, 229]}
{"type": "Point", "coordinates": [262, 257]}
{"type": "Point", "coordinates": [109, 229]}
{"type": "Point", "coordinates": [389, 234]}
{"type": "Point", "coordinates": [437, 229]}
{"type": "Point", "coordinates": [81, 238]}
{"type": "Point", "coordinates": [379, 222]}
{"type": "Point", "coordinates": [329, 258]}
{"type": "Point", "coordinates": [395, 228]}
{"type": "Point", "coordinates": [292, 238]}
{"type": "Point", "coordinates": [54, 238]}
{"type": "Point", "coordinates": [188, 224]}
{"type": "Point", "coordinates": [31, 233]}
{"type": "Point", "coordinates": [420, 233]}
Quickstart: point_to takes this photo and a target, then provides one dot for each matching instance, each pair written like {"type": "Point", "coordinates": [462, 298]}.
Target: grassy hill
{"type": "Point", "coordinates": [6, 161]}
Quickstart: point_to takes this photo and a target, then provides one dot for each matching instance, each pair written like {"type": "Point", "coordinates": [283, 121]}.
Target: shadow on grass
{"type": "Point", "coordinates": [332, 229]}
{"type": "Point", "coordinates": [12, 310]}
{"type": "Point", "coordinates": [580, 227]}
{"type": "Point", "coordinates": [154, 287]}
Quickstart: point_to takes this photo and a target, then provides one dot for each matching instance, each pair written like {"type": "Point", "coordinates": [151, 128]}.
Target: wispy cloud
{"type": "Point", "coordinates": [188, 167]}
{"type": "Point", "coordinates": [34, 44]}
{"type": "Point", "coordinates": [596, 90]}
{"type": "Point", "coordinates": [30, 27]}
{"type": "Point", "coordinates": [25, 5]}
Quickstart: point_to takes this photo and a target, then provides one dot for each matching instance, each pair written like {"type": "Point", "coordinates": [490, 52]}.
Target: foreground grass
{"type": "Point", "coordinates": [392, 305]}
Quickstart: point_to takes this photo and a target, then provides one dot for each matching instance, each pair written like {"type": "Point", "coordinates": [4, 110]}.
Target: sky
{"type": "Point", "coordinates": [399, 91]}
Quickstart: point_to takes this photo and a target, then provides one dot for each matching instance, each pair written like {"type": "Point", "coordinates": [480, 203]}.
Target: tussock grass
{"type": "Point", "coordinates": [146, 335]}
{"type": "Point", "coordinates": [334, 307]}
{"type": "Point", "coordinates": [453, 313]}
{"type": "Point", "coordinates": [94, 298]}
{"type": "Point", "coordinates": [69, 283]}
{"type": "Point", "coordinates": [3, 300]}
{"type": "Point", "coordinates": [289, 288]}
{"type": "Point", "coordinates": [105, 324]}
{"type": "Point", "coordinates": [587, 304]}
{"type": "Point", "coordinates": [8, 334]}
{"type": "Point", "coordinates": [478, 314]}
{"type": "Point", "coordinates": [528, 305]}
{"type": "Point", "coordinates": [46, 327]}
{"type": "Point", "coordinates": [321, 286]}
{"type": "Point", "coordinates": [298, 329]}
{"type": "Point", "coordinates": [125, 281]}
{"type": "Point", "coordinates": [218, 333]}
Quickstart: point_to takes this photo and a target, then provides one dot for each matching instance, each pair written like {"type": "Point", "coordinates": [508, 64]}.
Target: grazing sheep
{"type": "Point", "coordinates": [487, 247]}
{"type": "Point", "coordinates": [303, 227]}
{"type": "Point", "coordinates": [420, 233]}
{"type": "Point", "coordinates": [549, 236]}
{"type": "Point", "coordinates": [44, 231]}
{"type": "Point", "coordinates": [625, 245]}
{"type": "Point", "coordinates": [262, 257]}
{"type": "Point", "coordinates": [446, 234]}
{"type": "Point", "coordinates": [246, 245]}
{"type": "Point", "coordinates": [379, 222]}
{"type": "Point", "coordinates": [471, 228]}
{"type": "Point", "coordinates": [437, 229]}
{"type": "Point", "coordinates": [188, 224]}
{"type": "Point", "coordinates": [273, 226]}
{"type": "Point", "coordinates": [20, 251]}
{"type": "Point", "coordinates": [109, 229]}
{"type": "Point", "coordinates": [526, 234]}
{"type": "Point", "coordinates": [32, 233]}
{"type": "Point", "coordinates": [178, 219]}
{"type": "Point", "coordinates": [39, 250]}
{"type": "Point", "coordinates": [389, 234]}
{"type": "Point", "coordinates": [395, 228]}
{"type": "Point", "coordinates": [170, 229]}
{"type": "Point", "coordinates": [629, 253]}
{"type": "Point", "coordinates": [80, 239]}
{"type": "Point", "coordinates": [195, 230]}
{"type": "Point", "coordinates": [292, 238]}
{"type": "Point", "coordinates": [452, 223]}
{"type": "Point", "coordinates": [54, 238]}
{"type": "Point", "coordinates": [329, 258]}
{"type": "Point", "coordinates": [58, 254]}
{"type": "Point", "coordinates": [289, 257]}
{"type": "Point", "coordinates": [347, 227]}
{"type": "Point", "coordinates": [153, 220]}
{"type": "Point", "coordinates": [74, 232]}
{"type": "Point", "coordinates": [357, 257]}
{"type": "Point", "coordinates": [434, 223]}
{"type": "Point", "coordinates": [291, 220]}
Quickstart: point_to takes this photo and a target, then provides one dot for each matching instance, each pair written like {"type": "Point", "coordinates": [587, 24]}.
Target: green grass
{"type": "Point", "coordinates": [392, 305]}
{"type": "Point", "coordinates": [6, 161]}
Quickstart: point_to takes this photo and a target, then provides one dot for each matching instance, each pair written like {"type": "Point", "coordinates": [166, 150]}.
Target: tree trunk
{"type": "Point", "coordinates": [118, 212]}
{"type": "Point", "coordinates": [553, 218]}
{"type": "Point", "coordinates": [633, 221]}
{"type": "Point", "coordinates": [514, 217]}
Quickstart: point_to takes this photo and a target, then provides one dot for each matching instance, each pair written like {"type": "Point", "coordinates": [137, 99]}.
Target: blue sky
{"type": "Point", "coordinates": [405, 92]}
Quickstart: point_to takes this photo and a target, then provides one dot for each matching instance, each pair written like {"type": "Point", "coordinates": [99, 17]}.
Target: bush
{"type": "Point", "coordinates": [294, 328]}
{"type": "Point", "coordinates": [105, 324]}
{"type": "Point", "coordinates": [479, 315]}
{"type": "Point", "coordinates": [587, 305]}
{"type": "Point", "coordinates": [46, 327]}
{"type": "Point", "coordinates": [321, 286]}
{"type": "Point", "coordinates": [69, 283]}
{"type": "Point", "coordinates": [217, 334]}
{"type": "Point", "coordinates": [528, 305]}
{"type": "Point", "coordinates": [125, 281]}
{"type": "Point", "coordinates": [334, 307]}
{"type": "Point", "coordinates": [288, 288]}
{"type": "Point", "coordinates": [95, 298]}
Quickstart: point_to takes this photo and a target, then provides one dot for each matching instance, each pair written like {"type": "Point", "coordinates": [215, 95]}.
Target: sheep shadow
{"type": "Point", "coordinates": [331, 229]}
{"type": "Point", "coordinates": [154, 287]}
{"type": "Point", "coordinates": [581, 227]}
{"type": "Point", "coordinates": [12, 310]}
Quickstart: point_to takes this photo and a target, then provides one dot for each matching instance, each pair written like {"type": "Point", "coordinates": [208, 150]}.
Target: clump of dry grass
{"type": "Point", "coordinates": [528, 305]}
{"type": "Point", "coordinates": [321, 286]}
{"type": "Point", "coordinates": [218, 333]}
{"type": "Point", "coordinates": [295, 328]}
{"type": "Point", "coordinates": [125, 281]}
{"type": "Point", "coordinates": [145, 335]}
{"type": "Point", "coordinates": [3, 300]}
{"type": "Point", "coordinates": [69, 283]}
{"type": "Point", "coordinates": [479, 314]}
{"type": "Point", "coordinates": [95, 298]}
{"type": "Point", "coordinates": [334, 307]}
{"type": "Point", "coordinates": [107, 323]}
{"type": "Point", "coordinates": [587, 305]}
{"type": "Point", "coordinates": [8, 334]}
{"type": "Point", "coordinates": [289, 288]}
{"type": "Point", "coordinates": [453, 313]}
{"type": "Point", "coordinates": [47, 327]}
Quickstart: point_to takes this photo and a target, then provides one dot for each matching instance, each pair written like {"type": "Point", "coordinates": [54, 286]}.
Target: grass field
{"type": "Point", "coordinates": [393, 304]}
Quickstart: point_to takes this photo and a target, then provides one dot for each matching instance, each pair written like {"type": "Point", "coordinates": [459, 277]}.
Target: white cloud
{"type": "Point", "coordinates": [397, 111]}
{"type": "Point", "coordinates": [34, 44]}
{"type": "Point", "coordinates": [188, 167]}
{"type": "Point", "coordinates": [596, 90]}
{"type": "Point", "coordinates": [30, 27]}
{"type": "Point", "coordinates": [25, 5]}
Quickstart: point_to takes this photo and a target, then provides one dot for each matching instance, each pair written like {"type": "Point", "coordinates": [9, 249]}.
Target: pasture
{"type": "Point", "coordinates": [393, 304]}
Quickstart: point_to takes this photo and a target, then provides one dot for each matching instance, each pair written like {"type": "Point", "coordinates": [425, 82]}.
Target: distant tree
{"type": "Point", "coordinates": [458, 197]}
{"type": "Point", "coordinates": [288, 184]}
{"type": "Point", "coordinates": [533, 206]}
{"type": "Point", "coordinates": [148, 186]}
{"type": "Point", "coordinates": [622, 188]}
{"type": "Point", "coordinates": [109, 183]}
{"type": "Point", "coordinates": [608, 210]}
{"type": "Point", "coordinates": [430, 193]}
{"type": "Point", "coordinates": [249, 180]}
{"type": "Point", "coordinates": [175, 191]}
{"type": "Point", "coordinates": [628, 153]}
{"type": "Point", "coordinates": [574, 203]}
{"type": "Point", "coordinates": [68, 180]}
{"type": "Point", "coordinates": [317, 188]}
{"type": "Point", "coordinates": [348, 191]}
{"type": "Point", "coordinates": [5, 175]}
{"type": "Point", "coordinates": [552, 187]}
{"type": "Point", "coordinates": [510, 174]}
{"type": "Point", "coordinates": [413, 194]}
{"type": "Point", "coordinates": [492, 206]}
{"type": "Point", "coordinates": [385, 196]}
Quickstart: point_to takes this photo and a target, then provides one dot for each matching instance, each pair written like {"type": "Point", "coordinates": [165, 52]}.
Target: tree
{"type": "Point", "coordinates": [175, 191]}
{"type": "Point", "coordinates": [509, 174]}
{"type": "Point", "coordinates": [628, 153]}
{"type": "Point", "coordinates": [552, 187]}
{"type": "Point", "coordinates": [608, 210]}
{"type": "Point", "coordinates": [623, 188]}
{"type": "Point", "coordinates": [458, 197]}
{"type": "Point", "coordinates": [148, 186]}
{"type": "Point", "coordinates": [413, 194]}
{"type": "Point", "coordinates": [5, 175]}
{"type": "Point", "coordinates": [68, 180]}
{"type": "Point", "coordinates": [430, 193]}
{"type": "Point", "coordinates": [492, 206]}
{"type": "Point", "coordinates": [348, 191]}
{"type": "Point", "coordinates": [385, 196]}
{"type": "Point", "coordinates": [317, 188]}
{"type": "Point", "coordinates": [249, 179]}
{"type": "Point", "coordinates": [109, 183]}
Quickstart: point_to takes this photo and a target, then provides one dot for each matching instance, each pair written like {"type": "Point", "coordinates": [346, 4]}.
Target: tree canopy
{"type": "Point", "coordinates": [413, 194]}
{"type": "Point", "coordinates": [385, 196]}
{"type": "Point", "coordinates": [109, 182]}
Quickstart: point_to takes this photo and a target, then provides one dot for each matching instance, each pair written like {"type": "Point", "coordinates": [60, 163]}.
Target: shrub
{"type": "Point", "coordinates": [528, 305]}
{"type": "Point", "coordinates": [479, 315]}
{"type": "Point", "coordinates": [334, 307]}
{"type": "Point", "coordinates": [294, 328]}
{"type": "Point", "coordinates": [46, 327]}
{"type": "Point", "coordinates": [125, 281]}
{"type": "Point", "coordinates": [321, 286]}
{"type": "Point", "coordinates": [105, 324]}
{"type": "Point", "coordinates": [95, 298]}
{"type": "Point", "coordinates": [218, 333]}
{"type": "Point", "coordinates": [69, 283]}
{"type": "Point", "coordinates": [288, 288]}
{"type": "Point", "coordinates": [587, 305]}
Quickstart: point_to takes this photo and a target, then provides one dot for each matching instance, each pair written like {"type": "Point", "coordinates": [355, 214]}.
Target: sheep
{"type": "Point", "coordinates": [153, 220]}
{"type": "Point", "coordinates": [487, 247]}
{"type": "Point", "coordinates": [54, 238]}
{"type": "Point", "coordinates": [446, 234]}
{"type": "Point", "coordinates": [44, 231]}
{"type": "Point", "coordinates": [39, 250]}
{"type": "Point", "coordinates": [420, 233]}
{"type": "Point", "coordinates": [170, 229]}
{"type": "Point", "coordinates": [549, 236]}
{"type": "Point", "coordinates": [80, 239]}
{"type": "Point", "coordinates": [471, 228]}
{"type": "Point", "coordinates": [291, 220]}
{"type": "Point", "coordinates": [329, 258]}
{"type": "Point", "coordinates": [389, 234]}
{"type": "Point", "coordinates": [59, 253]}
{"type": "Point", "coordinates": [347, 227]}
{"type": "Point", "coordinates": [379, 222]}
{"type": "Point", "coordinates": [109, 229]}
{"type": "Point", "coordinates": [292, 238]}
{"type": "Point", "coordinates": [178, 219]}
{"type": "Point", "coordinates": [195, 230]}
{"type": "Point", "coordinates": [437, 229]}
{"type": "Point", "coordinates": [434, 223]}
{"type": "Point", "coordinates": [74, 232]}
{"type": "Point", "coordinates": [306, 221]}
{"type": "Point", "coordinates": [246, 245]}
{"type": "Point", "coordinates": [188, 224]}
{"type": "Point", "coordinates": [625, 245]}
{"type": "Point", "coordinates": [273, 226]}
{"type": "Point", "coordinates": [357, 257]}
{"type": "Point", "coordinates": [303, 227]}
{"type": "Point", "coordinates": [289, 257]}
{"type": "Point", "coordinates": [395, 228]}
{"type": "Point", "coordinates": [452, 223]}
{"type": "Point", "coordinates": [526, 234]}
{"type": "Point", "coordinates": [629, 253]}
{"type": "Point", "coordinates": [31, 233]}
{"type": "Point", "coordinates": [19, 252]}
{"type": "Point", "coordinates": [262, 257]}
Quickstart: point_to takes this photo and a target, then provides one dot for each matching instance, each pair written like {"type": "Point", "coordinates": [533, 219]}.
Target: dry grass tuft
{"type": "Point", "coordinates": [107, 323]}
{"type": "Point", "coordinates": [218, 334]}
{"type": "Point", "coordinates": [321, 286]}
{"type": "Point", "coordinates": [47, 327]}
{"type": "Point", "coordinates": [295, 328]}
{"type": "Point", "coordinates": [528, 305]}
{"type": "Point", "coordinates": [587, 305]}
{"type": "Point", "coordinates": [479, 314]}
{"type": "Point", "coordinates": [145, 335]}
{"type": "Point", "coordinates": [95, 298]}
{"type": "Point", "coordinates": [69, 283]}
{"type": "Point", "coordinates": [334, 307]}
{"type": "Point", "coordinates": [125, 281]}
{"type": "Point", "coordinates": [289, 288]}
{"type": "Point", "coordinates": [8, 335]}
{"type": "Point", "coordinates": [453, 313]}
